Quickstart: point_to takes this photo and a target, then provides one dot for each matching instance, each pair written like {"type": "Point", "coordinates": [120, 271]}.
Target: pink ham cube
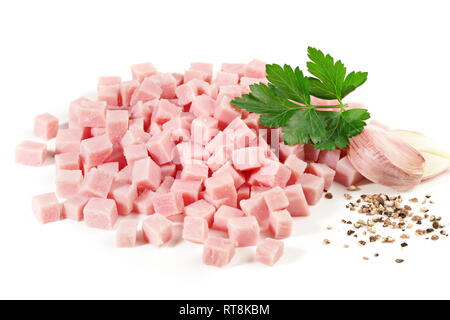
{"type": "Point", "coordinates": [238, 68]}
{"type": "Point", "coordinates": [125, 175]}
{"type": "Point", "coordinates": [219, 158]}
{"type": "Point", "coordinates": [126, 234]}
{"type": "Point", "coordinates": [135, 152]}
{"type": "Point", "coordinates": [281, 224]}
{"type": "Point", "coordinates": [272, 173]}
{"type": "Point", "coordinates": [167, 82]}
{"type": "Point", "coordinates": [46, 126]}
{"type": "Point", "coordinates": [147, 91]}
{"type": "Point", "coordinates": [136, 124]}
{"type": "Point", "coordinates": [221, 187]}
{"type": "Point", "coordinates": [201, 209]}
{"type": "Point", "coordinates": [226, 79]}
{"type": "Point", "coordinates": [247, 158]}
{"type": "Point", "coordinates": [46, 208]}
{"type": "Point", "coordinates": [108, 90]}
{"type": "Point", "coordinates": [157, 230]}
{"type": "Point", "coordinates": [255, 69]}
{"type": "Point", "coordinates": [225, 112]}
{"type": "Point", "coordinates": [31, 153]}
{"type": "Point", "coordinates": [97, 183]}
{"type": "Point", "coordinates": [246, 82]}
{"type": "Point", "coordinates": [161, 148]}
{"type": "Point", "coordinates": [269, 251]}
{"type": "Point", "coordinates": [95, 132]}
{"type": "Point", "coordinates": [166, 184]}
{"type": "Point", "coordinates": [100, 213]}
{"type": "Point", "coordinates": [91, 114]}
{"type": "Point", "coordinates": [286, 151]}
{"type": "Point", "coordinates": [243, 231]}
{"type": "Point", "coordinates": [73, 208]}
{"type": "Point", "coordinates": [135, 136]}
{"type": "Point", "coordinates": [195, 229]}
{"type": "Point", "coordinates": [195, 172]}
{"type": "Point", "coordinates": [203, 129]}
{"type": "Point", "coordinates": [298, 206]}
{"type": "Point", "coordinates": [311, 153]}
{"type": "Point", "coordinates": [144, 111]}
{"type": "Point", "coordinates": [276, 199]}
{"type": "Point", "coordinates": [313, 187]}
{"type": "Point", "coordinates": [168, 169]}
{"type": "Point", "coordinates": [324, 171]}
{"type": "Point", "coordinates": [329, 158]}
{"type": "Point", "coordinates": [127, 89]}
{"type": "Point", "coordinates": [67, 161]}
{"type": "Point", "coordinates": [142, 71]}
{"type": "Point", "coordinates": [243, 193]}
{"type": "Point", "coordinates": [168, 204]}
{"type": "Point", "coordinates": [68, 182]}
{"type": "Point", "coordinates": [68, 140]}
{"type": "Point", "coordinates": [296, 165]}
{"type": "Point", "coordinates": [195, 74]}
{"type": "Point", "coordinates": [218, 252]}
{"type": "Point", "coordinates": [231, 92]}
{"type": "Point", "coordinates": [187, 92]}
{"type": "Point", "coordinates": [228, 168]}
{"type": "Point", "coordinates": [144, 203]}
{"type": "Point", "coordinates": [146, 174]}
{"type": "Point", "coordinates": [256, 207]}
{"type": "Point", "coordinates": [205, 68]}
{"type": "Point", "coordinates": [223, 215]}
{"type": "Point", "coordinates": [111, 168]}
{"type": "Point", "coordinates": [124, 196]}
{"type": "Point", "coordinates": [202, 105]}
{"type": "Point", "coordinates": [257, 191]}
{"type": "Point", "coordinates": [252, 121]}
{"type": "Point", "coordinates": [189, 190]}
{"type": "Point", "coordinates": [95, 151]}
{"type": "Point", "coordinates": [116, 124]}
{"type": "Point", "coordinates": [165, 111]}
{"type": "Point", "coordinates": [346, 174]}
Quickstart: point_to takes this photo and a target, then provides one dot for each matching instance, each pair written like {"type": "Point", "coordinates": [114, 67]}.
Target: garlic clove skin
{"type": "Point", "coordinates": [383, 158]}
{"type": "Point", "coordinates": [434, 165]}
{"type": "Point", "coordinates": [422, 143]}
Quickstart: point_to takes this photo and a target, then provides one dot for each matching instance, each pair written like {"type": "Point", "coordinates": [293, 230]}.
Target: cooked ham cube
{"type": "Point", "coordinates": [218, 252]}
{"type": "Point", "coordinates": [228, 168]}
{"type": "Point", "coordinates": [97, 183]}
{"type": "Point", "coordinates": [255, 69]}
{"type": "Point", "coordinates": [167, 82]}
{"type": "Point", "coordinates": [68, 140]}
{"type": "Point", "coordinates": [298, 206]}
{"type": "Point", "coordinates": [95, 151]}
{"type": "Point", "coordinates": [108, 90]}
{"type": "Point", "coordinates": [47, 208]}
{"type": "Point", "coordinates": [238, 68]}
{"type": "Point", "coordinates": [324, 171]}
{"type": "Point", "coordinates": [125, 175]}
{"type": "Point", "coordinates": [195, 229]}
{"type": "Point", "coordinates": [195, 172]}
{"type": "Point", "coordinates": [243, 231]}
{"type": "Point", "coordinates": [311, 153]}
{"type": "Point", "coordinates": [147, 91]}
{"type": "Point", "coordinates": [223, 215]}
{"type": "Point", "coordinates": [247, 158]}
{"type": "Point", "coordinates": [91, 114]}
{"type": "Point", "coordinates": [272, 173]}
{"type": "Point", "coordinates": [286, 151]}
{"type": "Point", "coordinates": [269, 251]}
{"type": "Point", "coordinates": [225, 112]}
{"type": "Point", "coordinates": [165, 111]}
{"type": "Point", "coordinates": [126, 234]}
{"type": "Point", "coordinates": [276, 199]}
{"type": "Point", "coordinates": [127, 89]}
{"type": "Point", "coordinates": [135, 136]}
{"type": "Point", "coordinates": [246, 82]}
{"type": "Point", "coordinates": [168, 204]}
{"type": "Point", "coordinates": [226, 78]}
{"type": "Point", "coordinates": [116, 124]}
{"type": "Point", "coordinates": [346, 174]}
{"type": "Point", "coordinates": [220, 187]}
{"type": "Point", "coordinates": [161, 148]}
{"type": "Point", "coordinates": [313, 187]}
{"type": "Point", "coordinates": [157, 230]}
{"type": "Point", "coordinates": [329, 158]}
{"type": "Point", "coordinates": [203, 129]}
{"type": "Point", "coordinates": [67, 161]}
{"type": "Point", "coordinates": [46, 126]}
{"type": "Point", "coordinates": [168, 170]}
{"type": "Point", "coordinates": [166, 184]}
{"type": "Point", "coordinates": [201, 209]}
{"type": "Point", "coordinates": [111, 168]}
{"type": "Point", "coordinates": [68, 182]}
{"type": "Point", "coordinates": [297, 167]}
{"type": "Point", "coordinates": [243, 193]}
{"type": "Point", "coordinates": [146, 174]}
{"type": "Point", "coordinates": [95, 132]}
{"type": "Point", "coordinates": [135, 152]}
{"type": "Point", "coordinates": [195, 74]}
{"type": "Point", "coordinates": [73, 207]}
{"type": "Point", "coordinates": [206, 68]}
{"type": "Point", "coordinates": [100, 213]}
{"type": "Point", "coordinates": [144, 204]}
{"type": "Point", "coordinates": [281, 224]}
{"type": "Point", "coordinates": [31, 153]}
{"type": "Point", "coordinates": [258, 191]}
{"type": "Point", "coordinates": [124, 196]}
{"type": "Point", "coordinates": [142, 71]}
{"type": "Point", "coordinates": [219, 158]}
{"type": "Point", "coordinates": [231, 201]}
{"type": "Point", "coordinates": [257, 207]}
{"type": "Point", "coordinates": [189, 190]}
{"type": "Point", "coordinates": [186, 93]}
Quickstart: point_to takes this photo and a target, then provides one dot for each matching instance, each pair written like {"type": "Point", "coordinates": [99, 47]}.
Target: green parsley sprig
{"type": "Point", "coordinates": [286, 102]}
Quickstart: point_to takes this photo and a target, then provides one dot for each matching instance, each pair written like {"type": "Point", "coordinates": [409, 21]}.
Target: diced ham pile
{"type": "Point", "coordinates": [171, 147]}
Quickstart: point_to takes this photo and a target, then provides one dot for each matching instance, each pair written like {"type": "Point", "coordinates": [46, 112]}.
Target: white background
{"type": "Point", "coordinates": [52, 52]}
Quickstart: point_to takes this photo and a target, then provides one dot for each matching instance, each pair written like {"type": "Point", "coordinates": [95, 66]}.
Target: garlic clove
{"type": "Point", "coordinates": [434, 165]}
{"type": "Point", "coordinates": [383, 158]}
{"type": "Point", "coordinates": [422, 143]}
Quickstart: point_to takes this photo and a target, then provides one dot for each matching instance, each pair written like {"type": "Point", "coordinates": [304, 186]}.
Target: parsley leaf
{"type": "Point", "coordinates": [291, 83]}
{"type": "Point", "coordinates": [275, 110]}
{"type": "Point", "coordinates": [304, 125]}
{"type": "Point", "coordinates": [340, 126]}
